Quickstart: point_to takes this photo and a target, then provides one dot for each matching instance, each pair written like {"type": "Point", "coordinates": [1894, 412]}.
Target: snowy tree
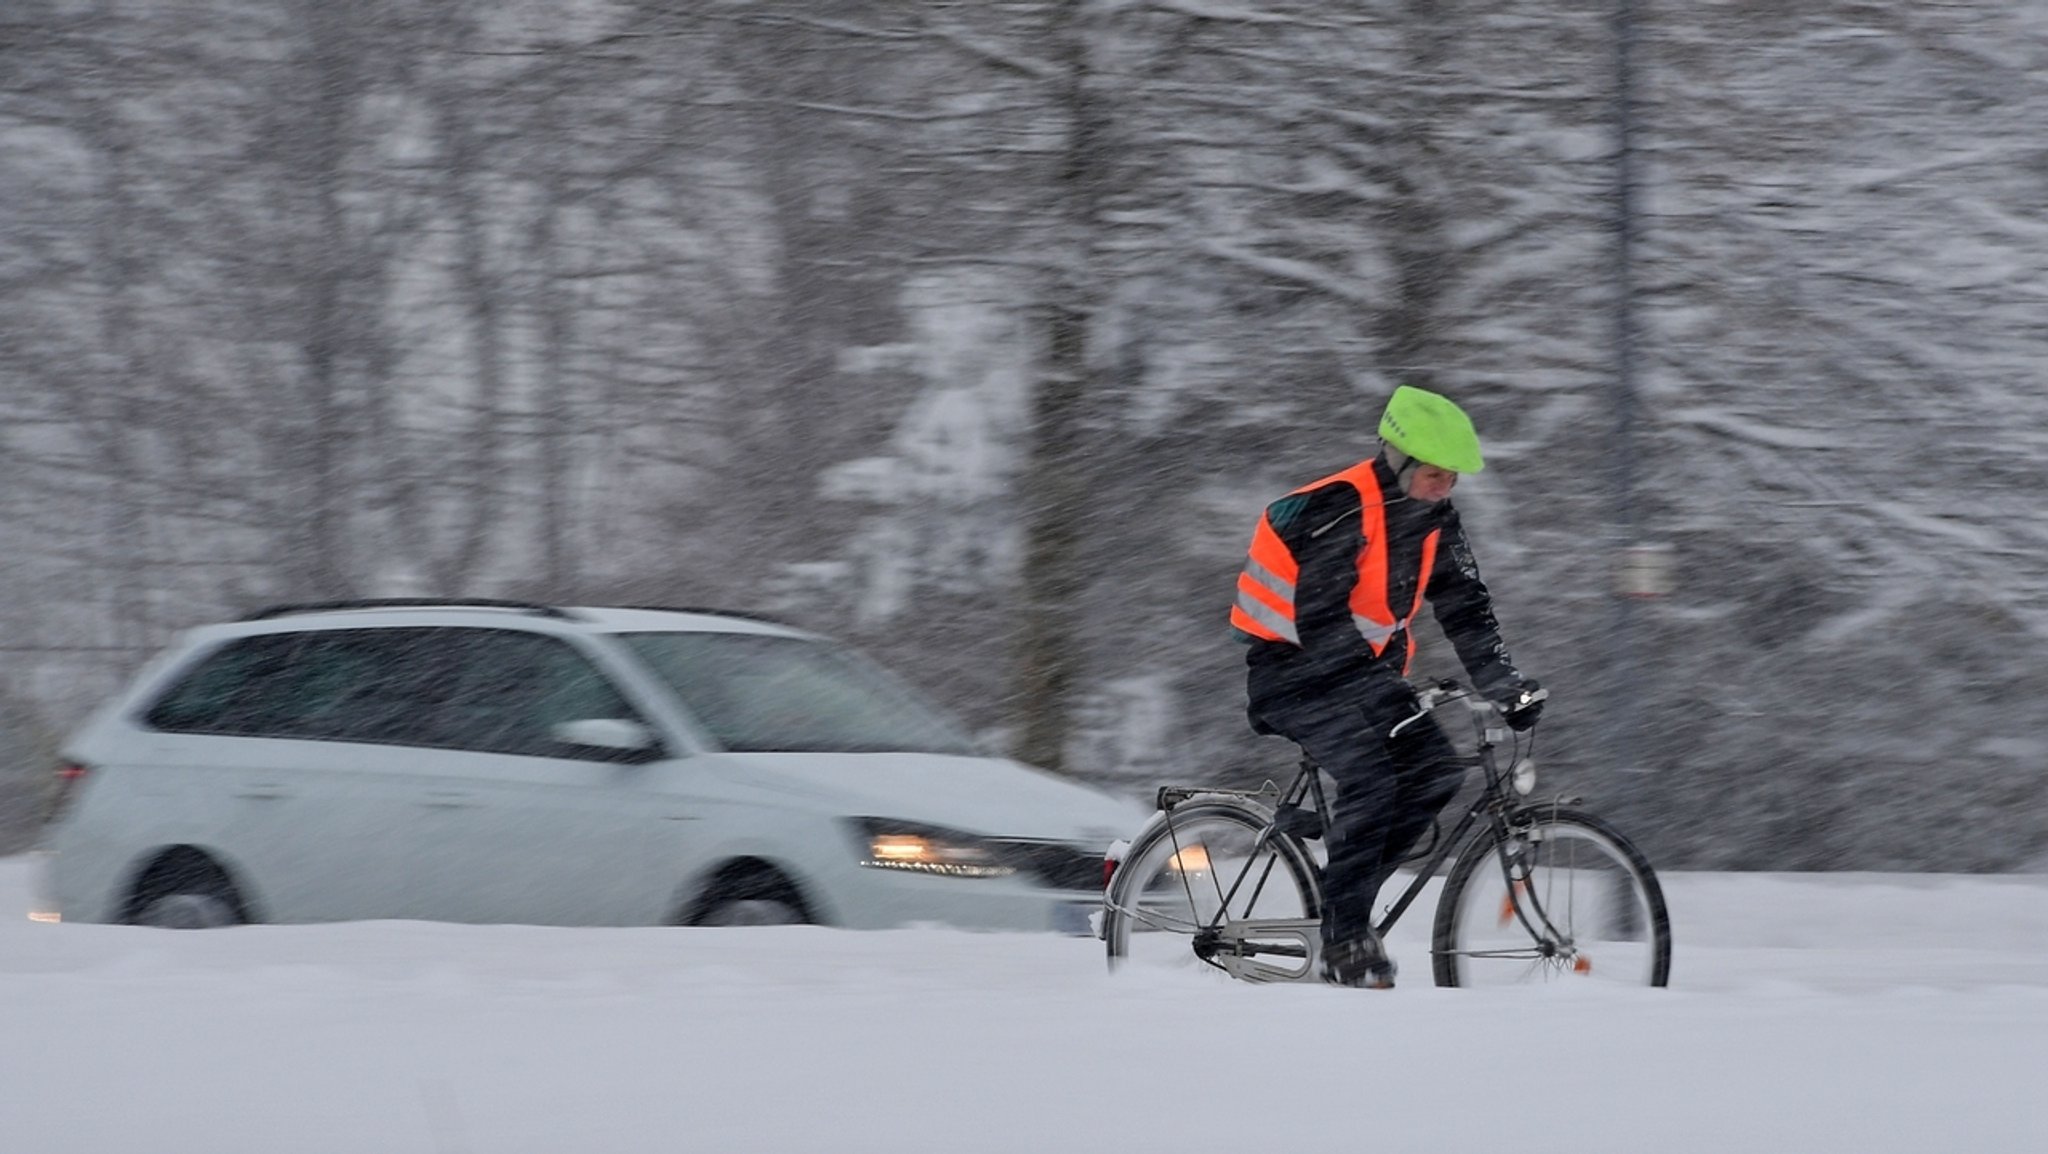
{"type": "Point", "coordinates": [979, 334]}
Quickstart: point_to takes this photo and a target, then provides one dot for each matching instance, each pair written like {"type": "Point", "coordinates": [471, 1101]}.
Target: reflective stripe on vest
{"type": "Point", "coordinates": [1265, 588]}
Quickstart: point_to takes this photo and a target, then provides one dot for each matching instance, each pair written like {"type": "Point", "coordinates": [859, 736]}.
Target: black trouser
{"type": "Point", "coordinates": [1388, 791]}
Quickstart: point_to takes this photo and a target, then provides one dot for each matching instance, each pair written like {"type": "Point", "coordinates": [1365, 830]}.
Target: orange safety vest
{"type": "Point", "coordinates": [1265, 589]}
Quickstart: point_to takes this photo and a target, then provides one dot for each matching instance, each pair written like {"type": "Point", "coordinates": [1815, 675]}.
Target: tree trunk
{"type": "Point", "coordinates": [1055, 483]}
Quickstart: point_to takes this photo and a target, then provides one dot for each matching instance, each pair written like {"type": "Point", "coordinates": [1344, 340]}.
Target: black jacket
{"type": "Point", "coordinates": [1322, 528]}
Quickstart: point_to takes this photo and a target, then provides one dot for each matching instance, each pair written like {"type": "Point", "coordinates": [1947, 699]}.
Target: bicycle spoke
{"type": "Point", "coordinates": [1157, 921]}
{"type": "Point", "coordinates": [1176, 890]}
{"type": "Point", "coordinates": [1541, 906]}
{"type": "Point", "coordinates": [1179, 862]}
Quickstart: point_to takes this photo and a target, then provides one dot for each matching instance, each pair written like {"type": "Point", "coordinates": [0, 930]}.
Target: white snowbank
{"type": "Point", "coordinates": [1858, 1013]}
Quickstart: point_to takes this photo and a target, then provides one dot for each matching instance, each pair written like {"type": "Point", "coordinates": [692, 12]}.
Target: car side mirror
{"type": "Point", "coordinates": [610, 733]}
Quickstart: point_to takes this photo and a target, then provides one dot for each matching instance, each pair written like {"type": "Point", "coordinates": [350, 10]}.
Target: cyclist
{"type": "Point", "coordinates": [1337, 571]}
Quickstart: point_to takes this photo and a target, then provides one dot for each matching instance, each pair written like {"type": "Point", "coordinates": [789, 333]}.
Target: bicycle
{"type": "Point", "coordinates": [1227, 878]}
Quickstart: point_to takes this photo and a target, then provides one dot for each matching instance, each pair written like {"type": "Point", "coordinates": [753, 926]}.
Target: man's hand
{"type": "Point", "coordinates": [1523, 704]}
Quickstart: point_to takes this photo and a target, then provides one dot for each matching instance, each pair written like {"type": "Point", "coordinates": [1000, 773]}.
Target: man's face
{"type": "Point", "coordinates": [1429, 484]}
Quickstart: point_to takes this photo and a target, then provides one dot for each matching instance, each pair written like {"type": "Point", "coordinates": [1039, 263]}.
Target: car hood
{"type": "Point", "coordinates": [983, 795]}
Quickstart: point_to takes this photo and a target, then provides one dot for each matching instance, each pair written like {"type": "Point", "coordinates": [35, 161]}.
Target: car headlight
{"type": "Point", "coordinates": [889, 844]}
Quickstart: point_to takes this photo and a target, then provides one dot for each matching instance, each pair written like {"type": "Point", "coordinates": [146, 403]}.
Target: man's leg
{"type": "Point", "coordinates": [1427, 774]}
{"type": "Point", "coordinates": [1387, 794]}
{"type": "Point", "coordinates": [1347, 744]}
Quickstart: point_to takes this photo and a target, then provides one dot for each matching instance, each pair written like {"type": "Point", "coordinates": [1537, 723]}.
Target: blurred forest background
{"type": "Point", "coordinates": [979, 333]}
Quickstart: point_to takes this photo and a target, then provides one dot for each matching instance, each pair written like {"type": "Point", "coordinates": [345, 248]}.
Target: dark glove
{"type": "Point", "coordinates": [1523, 704]}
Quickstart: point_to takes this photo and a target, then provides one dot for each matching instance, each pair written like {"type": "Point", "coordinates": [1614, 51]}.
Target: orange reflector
{"type": "Point", "coordinates": [1507, 903]}
{"type": "Point", "coordinates": [1582, 965]}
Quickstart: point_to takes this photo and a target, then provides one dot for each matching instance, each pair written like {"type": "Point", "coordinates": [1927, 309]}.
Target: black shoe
{"type": "Point", "coordinates": [1361, 963]}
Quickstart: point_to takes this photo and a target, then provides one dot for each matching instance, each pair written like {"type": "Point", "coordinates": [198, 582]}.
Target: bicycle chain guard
{"type": "Point", "coordinates": [1239, 947]}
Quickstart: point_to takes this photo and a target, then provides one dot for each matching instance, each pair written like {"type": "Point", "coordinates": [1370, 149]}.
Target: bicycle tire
{"type": "Point", "coordinates": [1154, 906]}
{"type": "Point", "coordinates": [1566, 898]}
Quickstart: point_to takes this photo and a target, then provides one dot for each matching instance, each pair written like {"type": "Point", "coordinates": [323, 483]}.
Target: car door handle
{"type": "Point", "coordinates": [447, 799]}
{"type": "Point", "coordinates": [264, 791]}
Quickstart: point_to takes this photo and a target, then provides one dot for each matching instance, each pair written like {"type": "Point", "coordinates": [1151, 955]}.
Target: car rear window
{"type": "Point", "coordinates": [761, 692]}
{"type": "Point", "coordinates": [352, 685]}
{"type": "Point", "coordinates": [487, 690]}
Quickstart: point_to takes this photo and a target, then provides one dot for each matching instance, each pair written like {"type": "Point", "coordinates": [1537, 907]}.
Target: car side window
{"type": "Point", "coordinates": [374, 685]}
{"type": "Point", "coordinates": [510, 689]}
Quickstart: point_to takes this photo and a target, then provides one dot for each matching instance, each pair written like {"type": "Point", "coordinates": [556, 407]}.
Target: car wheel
{"type": "Point", "coordinates": [200, 911]}
{"type": "Point", "coordinates": [184, 889]}
{"type": "Point", "coordinates": [749, 893]}
{"type": "Point", "coordinates": [752, 912]}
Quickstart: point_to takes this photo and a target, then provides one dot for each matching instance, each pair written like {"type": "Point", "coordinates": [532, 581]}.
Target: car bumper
{"type": "Point", "coordinates": [889, 899]}
{"type": "Point", "coordinates": [42, 903]}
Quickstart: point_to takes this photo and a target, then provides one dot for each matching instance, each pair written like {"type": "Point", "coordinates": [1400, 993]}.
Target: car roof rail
{"type": "Point", "coordinates": [288, 610]}
{"type": "Point", "coordinates": [713, 611]}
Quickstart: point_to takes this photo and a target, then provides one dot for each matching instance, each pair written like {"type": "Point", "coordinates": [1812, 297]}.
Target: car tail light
{"type": "Point", "coordinates": [1112, 858]}
{"type": "Point", "coordinates": [70, 776]}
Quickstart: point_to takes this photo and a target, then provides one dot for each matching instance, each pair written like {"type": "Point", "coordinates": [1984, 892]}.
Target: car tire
{"type": "Point", "coordinates": [184, 890]}
{"type": "Point", "coordinates": [188, 911]}
{"type": "Point", "coordinates": [752, 912]}
{"type": "Point", "coordinates": [750, 894]}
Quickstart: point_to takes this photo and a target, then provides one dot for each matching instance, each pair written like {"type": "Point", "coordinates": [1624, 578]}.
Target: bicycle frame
{"type": "Point", "coordinates": [1308, 782]}
{"type": "Point", "coordinates": [1232, 945]}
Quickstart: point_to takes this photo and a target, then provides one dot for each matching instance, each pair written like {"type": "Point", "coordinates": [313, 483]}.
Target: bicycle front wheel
{"type": "Point", "coordinates": [1206, 864]}
{"type": "Point", "coordinates": [1562, 897]}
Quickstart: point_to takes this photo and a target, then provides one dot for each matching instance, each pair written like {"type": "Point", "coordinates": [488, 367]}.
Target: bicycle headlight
{"type": "Point", "coordinates": [889, 844]}
{"type": "Point", "coordinates": [1525, 776]}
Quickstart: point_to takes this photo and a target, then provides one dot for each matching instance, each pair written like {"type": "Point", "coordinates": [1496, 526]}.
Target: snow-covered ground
{"type": "Point", "coordinates": [1858, 1013]}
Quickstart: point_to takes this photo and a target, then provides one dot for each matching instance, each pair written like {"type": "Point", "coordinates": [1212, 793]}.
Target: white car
{"type": "Point", "coordinates": [477, 761]}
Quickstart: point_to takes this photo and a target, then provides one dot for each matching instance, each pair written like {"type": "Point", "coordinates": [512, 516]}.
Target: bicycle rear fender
{"type": "Point", "coordinates": [1236, 799]}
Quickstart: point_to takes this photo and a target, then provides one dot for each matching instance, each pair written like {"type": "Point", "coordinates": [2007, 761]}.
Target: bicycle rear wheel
{"type": "Point", "coordinates": [1203, 865]}
{"type": "Point", "coordinates": [1563, 898]}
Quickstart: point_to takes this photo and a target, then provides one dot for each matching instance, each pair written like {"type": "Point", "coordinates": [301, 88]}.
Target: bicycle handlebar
{"type": "Point", "coordinates": [1447, 691]}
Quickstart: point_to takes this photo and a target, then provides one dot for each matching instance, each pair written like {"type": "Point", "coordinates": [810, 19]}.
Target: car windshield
{"type": "Point", "coordinates": [759, 692]}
